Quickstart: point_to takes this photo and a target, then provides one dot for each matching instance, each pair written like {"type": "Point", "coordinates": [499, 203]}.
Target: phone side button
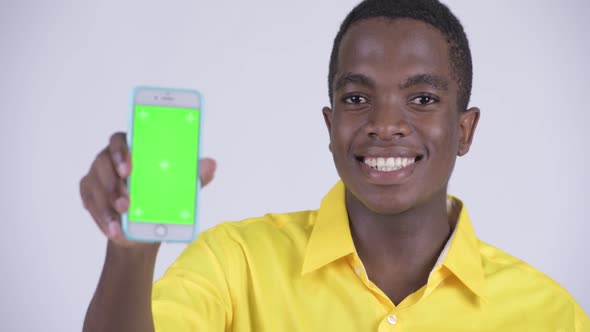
{"type": "Point", "coordinates": [160, 230]}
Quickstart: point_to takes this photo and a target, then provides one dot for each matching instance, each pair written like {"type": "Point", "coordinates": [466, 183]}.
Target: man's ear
{"type": "Point", "coordinates": [328, 119]}
{"type": "Point", "coordinates": [467, 124]}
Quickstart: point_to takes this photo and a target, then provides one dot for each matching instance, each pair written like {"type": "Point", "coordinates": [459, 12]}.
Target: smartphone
{"type": "Point", "coordinates": [164, 140]}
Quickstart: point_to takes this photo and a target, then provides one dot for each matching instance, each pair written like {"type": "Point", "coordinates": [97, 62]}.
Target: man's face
{"type": "Point", "coordinates": [395, 128]}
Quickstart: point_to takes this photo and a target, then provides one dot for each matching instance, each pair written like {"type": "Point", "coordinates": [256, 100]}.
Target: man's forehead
{"type": "Point", "coordinates": [382, 32]}
{"type": "Point", "coordinates": [393, 44]}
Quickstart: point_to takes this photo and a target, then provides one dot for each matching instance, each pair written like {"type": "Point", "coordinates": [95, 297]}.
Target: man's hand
{"type": "Point", "coordinates": [122, 300]}
{"type": "Point", "coordinates": [104, 193]}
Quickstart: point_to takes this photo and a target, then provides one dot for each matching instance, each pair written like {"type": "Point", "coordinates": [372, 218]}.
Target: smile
{"type": "Point", "coordinates": [388, 164]}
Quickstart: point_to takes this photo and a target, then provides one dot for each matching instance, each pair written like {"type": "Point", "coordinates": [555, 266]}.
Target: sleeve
{"type": "Point", "coordinates": [194, 293]}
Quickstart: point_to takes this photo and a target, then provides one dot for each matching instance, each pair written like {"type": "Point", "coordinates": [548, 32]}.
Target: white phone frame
{"type": "Point", "coordinates": [157, 232]}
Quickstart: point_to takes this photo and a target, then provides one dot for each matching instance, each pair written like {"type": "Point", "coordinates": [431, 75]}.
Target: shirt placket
{"type": "Point", "coordinates": [393, 317]}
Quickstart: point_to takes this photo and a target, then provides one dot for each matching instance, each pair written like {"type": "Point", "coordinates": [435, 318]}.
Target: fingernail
{"type": "Point", "coordinates": [117, 157]}
{"type": "Point", "coordinates": [122, 168]}
{"type": "Point", "coordinates": [121, 204]}
{"type": "Point", "coordinates": [113, 229]}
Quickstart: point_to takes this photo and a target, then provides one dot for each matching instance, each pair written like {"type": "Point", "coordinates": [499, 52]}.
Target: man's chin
{"type": "Point", "coordinates": [385, 203]}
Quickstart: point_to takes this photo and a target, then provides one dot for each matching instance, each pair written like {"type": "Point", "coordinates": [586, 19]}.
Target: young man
{"type": "Point", "coordinates": [387, 250]}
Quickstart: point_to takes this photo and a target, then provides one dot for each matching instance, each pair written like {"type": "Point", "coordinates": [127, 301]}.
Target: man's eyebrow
{"type": "Point", "coordinates": [352, 78]}
{"type": "Point", "coordinates": [434, 81]}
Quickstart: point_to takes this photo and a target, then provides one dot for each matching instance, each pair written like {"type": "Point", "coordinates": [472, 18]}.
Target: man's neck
{"type": "Point", "coordinates": [399, 251]}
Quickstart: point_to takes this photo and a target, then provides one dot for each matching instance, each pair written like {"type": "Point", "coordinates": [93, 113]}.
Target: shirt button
{"type": "Point", "coordinates": [392, 319]}
{"type": "Point", "coordinates": [358, 270]}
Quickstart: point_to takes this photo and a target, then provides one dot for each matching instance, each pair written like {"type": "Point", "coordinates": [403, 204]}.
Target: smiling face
{"type": "Point", "coordinates": [395, 127]}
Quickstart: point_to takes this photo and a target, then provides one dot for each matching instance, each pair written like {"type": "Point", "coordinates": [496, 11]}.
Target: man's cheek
{"type": "Point", "coordinates": [441, 136]}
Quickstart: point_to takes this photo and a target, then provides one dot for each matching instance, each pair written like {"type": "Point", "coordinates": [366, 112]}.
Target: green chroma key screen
{"type": "Point", "coordinates": [164, 152]}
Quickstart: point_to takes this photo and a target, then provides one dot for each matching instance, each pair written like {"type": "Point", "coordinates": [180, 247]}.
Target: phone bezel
{"type": "Point", "coordinates": [152, 232]}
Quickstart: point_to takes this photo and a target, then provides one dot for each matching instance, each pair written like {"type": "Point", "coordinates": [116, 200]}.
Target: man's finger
{"type": "Point", "coordinates": [96, 203]}
{"type": "Point", "coordinates": [104, 171]}
{"type": "Point", "coordinates": [120, 154]}
{"type": "Point", "coordinates": [207, 168]}
{"type": "Point", "coordinates": [120, 201]}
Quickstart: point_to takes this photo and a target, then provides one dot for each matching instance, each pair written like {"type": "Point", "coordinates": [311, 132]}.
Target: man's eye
{"type": "Point", "coordinates": [355, 100]}
{"type": "Point", "coordinates": [423, 100]}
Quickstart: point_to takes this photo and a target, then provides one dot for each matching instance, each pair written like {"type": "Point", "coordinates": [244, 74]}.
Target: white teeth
{"type": "Point", "coordinates": [388, 164]}
{"type": "Point", "coordinates": [372, 162]}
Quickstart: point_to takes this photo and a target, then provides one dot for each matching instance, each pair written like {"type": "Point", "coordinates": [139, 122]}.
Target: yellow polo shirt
{"type": "Point", "coordinates": [300, 272]}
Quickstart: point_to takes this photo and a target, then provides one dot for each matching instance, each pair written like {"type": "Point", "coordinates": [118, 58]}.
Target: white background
{"type": "Point", "coordinates": [66, 69]}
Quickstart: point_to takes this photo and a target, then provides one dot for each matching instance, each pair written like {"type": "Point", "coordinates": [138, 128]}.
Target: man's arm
{"type": "Point", "coordinates": [122, 301]}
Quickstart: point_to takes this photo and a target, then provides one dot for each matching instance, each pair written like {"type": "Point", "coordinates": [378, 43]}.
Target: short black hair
{"type": "Point", "coordinates": [431, 12]}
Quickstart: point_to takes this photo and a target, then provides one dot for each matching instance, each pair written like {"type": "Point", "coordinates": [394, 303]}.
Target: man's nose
{"type": "Point", "coordinates": [388, 121]}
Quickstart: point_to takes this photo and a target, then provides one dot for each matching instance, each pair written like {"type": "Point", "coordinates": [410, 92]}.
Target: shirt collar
{"type": "Point", "coordinates": [461, 254]}
{"type": "Point", "coordinates": [331, 239]}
